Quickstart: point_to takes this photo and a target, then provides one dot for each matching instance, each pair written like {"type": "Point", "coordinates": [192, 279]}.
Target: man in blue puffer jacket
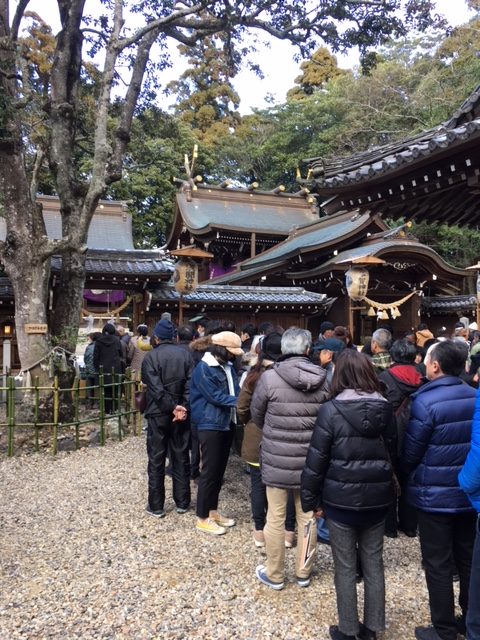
{"type": "Point", "coordinates": [436, 445]}
{"type": "Point", "coordinates": [469, 479]}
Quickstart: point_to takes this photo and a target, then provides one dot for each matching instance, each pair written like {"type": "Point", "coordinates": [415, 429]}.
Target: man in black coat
{"type": "Point", "coordinates": [108, 359]}
{"type": "Point", "coordinates": [166, 371]}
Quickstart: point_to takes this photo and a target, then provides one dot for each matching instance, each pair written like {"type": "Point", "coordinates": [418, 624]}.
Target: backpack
{"type": "Point", "coordinates": [143, 343]}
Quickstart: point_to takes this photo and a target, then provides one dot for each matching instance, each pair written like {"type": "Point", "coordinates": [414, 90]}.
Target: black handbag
{"type": "Point", "coordinates": [141, 401]}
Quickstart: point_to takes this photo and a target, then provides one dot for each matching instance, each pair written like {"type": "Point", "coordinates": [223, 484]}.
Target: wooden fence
{"type": "Point", "coordinates": [124, 413]}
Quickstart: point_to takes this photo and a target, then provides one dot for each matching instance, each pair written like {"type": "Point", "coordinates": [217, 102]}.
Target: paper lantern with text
{"type": "Point", "coordinates": [356, 281]}
{"type": "Point", "coordinates": [185, 277]}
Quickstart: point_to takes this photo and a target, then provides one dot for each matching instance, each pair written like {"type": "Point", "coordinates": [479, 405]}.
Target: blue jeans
{"type": "Point", "coordinates": [258, 501]}
{"type": "Point", "coordinates": [322, 530]}
{"type": "Point", "coordinates": [473, 614]}
{"type": "Point", "coordinates": [344, 540]}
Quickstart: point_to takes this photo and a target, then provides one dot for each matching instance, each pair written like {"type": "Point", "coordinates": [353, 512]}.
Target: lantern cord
{"type": "Point", "coordinates": [381, 305]}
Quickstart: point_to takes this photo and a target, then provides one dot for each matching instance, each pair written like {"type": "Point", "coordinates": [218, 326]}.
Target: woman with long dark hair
{"type": "Point", "coordinates": [348, 479]}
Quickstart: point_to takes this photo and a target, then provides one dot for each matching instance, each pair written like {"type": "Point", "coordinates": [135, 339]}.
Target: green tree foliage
{"type": "Point", "coordinates": [456, 245]}
{"type": "Point", "coordinates": [316, 72]}
{"type": "Point", "coordinates": [154, 156]}
{"type": "Point", "coordinates": [206, 99]}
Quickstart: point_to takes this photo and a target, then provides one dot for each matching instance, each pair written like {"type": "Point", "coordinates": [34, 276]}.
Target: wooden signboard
{"type": "Point", "coordinates": [36, 328]}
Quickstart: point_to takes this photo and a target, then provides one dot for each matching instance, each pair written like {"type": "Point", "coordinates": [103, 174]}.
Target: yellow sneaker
{"type": "Point", "coordinates": [210, 526]}
{"type": "Point", "coordinates": [223, 521]}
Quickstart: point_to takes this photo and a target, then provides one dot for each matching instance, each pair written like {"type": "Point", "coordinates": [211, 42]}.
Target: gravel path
{"type": "Point", "coordinates": [81, 559]}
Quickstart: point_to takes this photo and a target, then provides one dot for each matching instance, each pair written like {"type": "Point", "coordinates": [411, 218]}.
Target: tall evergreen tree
{"type": "Point", "coordinates": [206, 99]}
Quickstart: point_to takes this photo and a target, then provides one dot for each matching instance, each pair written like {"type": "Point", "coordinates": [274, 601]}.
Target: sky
{"type": "Point", "coordinates": [277, 63]}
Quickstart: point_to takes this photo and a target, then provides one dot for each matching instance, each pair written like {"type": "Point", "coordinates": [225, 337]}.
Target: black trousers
{"type": "Point", "coordinates": [401, 514]}
{"type": "Point", "coordinates": [214, 451]}
{"type": "Point", "coordinates": [194, 454]}
{"type": "Point", "coordinates": [110, 392]}
{"type": "Point", "coordinates": [165, 436]}
{"type": "Point", "coordinates": [444, 537]}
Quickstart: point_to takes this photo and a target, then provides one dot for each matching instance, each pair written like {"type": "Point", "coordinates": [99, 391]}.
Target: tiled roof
{"type": "Point", "coordinates": [211, 294]}
{"type": "Point", "coordinates": [325, 232]}
{"type": "Point", "coordinates": [241, 210]}
{"type": "Point", "coordinates": [383, 160]}
{"type": "Point", "coordinates": [143, 263]}
{"type": "Point", "coordinates": [449, 304]}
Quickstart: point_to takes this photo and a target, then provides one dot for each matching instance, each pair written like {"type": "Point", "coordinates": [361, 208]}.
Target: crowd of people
{"type": "Point", "coordinates": [342, 442]}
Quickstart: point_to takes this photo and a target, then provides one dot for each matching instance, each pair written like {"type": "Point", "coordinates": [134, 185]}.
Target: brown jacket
{"type": "Point", "coordinates": [252, 435]}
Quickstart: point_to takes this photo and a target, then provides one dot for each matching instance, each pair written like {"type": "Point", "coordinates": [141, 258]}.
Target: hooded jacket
{"type": "Point", "coordinates": [284, 405]}
{"type": "Point", "coordinates": [436, 444]}
{"type": "Point", "coordinates": [400, 381]}
{"type": "Point", "coordinates": [108, 354]}
{"type": "Point", "coordinates": [347, 465]}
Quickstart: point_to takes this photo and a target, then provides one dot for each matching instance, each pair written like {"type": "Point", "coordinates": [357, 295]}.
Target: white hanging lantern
{"type": "Point", "coordinates": [356, 281]}
{"type": "Point", "coordinates": [185, 277]}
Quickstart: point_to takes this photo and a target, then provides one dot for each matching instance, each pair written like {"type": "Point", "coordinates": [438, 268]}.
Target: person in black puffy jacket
{"type": "Point", "coordinates": [437, 441]}
{"type": "Point", "coordinates": [348, 479]}
{"type": "Point", "coordinates": [401, 380]}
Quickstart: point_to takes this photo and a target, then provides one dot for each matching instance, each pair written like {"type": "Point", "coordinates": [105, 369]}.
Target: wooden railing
{"type": "Point", "coordinates": [124, 414]}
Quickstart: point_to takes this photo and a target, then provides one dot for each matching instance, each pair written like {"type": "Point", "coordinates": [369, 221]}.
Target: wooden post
{"type": "Point", "coordinates": [350, 318]}
{"type": "Point", "coordinates": [253, 242]}
{"type": "Point", "coordinates": [180, 310]}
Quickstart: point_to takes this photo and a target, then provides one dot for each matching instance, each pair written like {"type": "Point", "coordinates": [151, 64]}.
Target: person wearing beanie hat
{"type": "Point", "coordinates": [213, 399]}
{"type": "Point", "coordinates": [271, 351]}
{"type": "Point", "coordinates": [164, 330]}
{"type": "Point", "coordinates": [327, 329]}
{"type": "Point", "coordinates": [107, 357]}
{"type": "Point", "coordinates": [166, 372]}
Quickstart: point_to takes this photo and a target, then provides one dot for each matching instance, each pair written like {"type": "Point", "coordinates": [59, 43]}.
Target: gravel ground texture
{"type": "Point", "coordinates": [80, 558]}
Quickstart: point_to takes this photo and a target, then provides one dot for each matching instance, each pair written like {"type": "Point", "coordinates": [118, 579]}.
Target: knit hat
{"type": "Point", "coordinates": [109, 328]}
{"type": "Point", "coordinates": [166, 315]}
{"type": "Point", "coordinates": [333, 344]}
{"type": "Point", "coordinates": [229, 340]}
{"type": "Point", "coordinates": [164, 330]}
{"type": "Point", "coordinates": [422, 336]}
{"type": "Point", "coordinates": [272, 346]}
{"type": "Point", "coordinates": [326, 326]}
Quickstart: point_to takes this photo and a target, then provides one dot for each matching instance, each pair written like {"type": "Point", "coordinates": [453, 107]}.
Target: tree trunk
{"type": "Point", "coordinates": [68, 300]}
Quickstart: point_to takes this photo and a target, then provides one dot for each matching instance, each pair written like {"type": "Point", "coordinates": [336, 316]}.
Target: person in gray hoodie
{"type": "Point", "coordinates": [284, 405]}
